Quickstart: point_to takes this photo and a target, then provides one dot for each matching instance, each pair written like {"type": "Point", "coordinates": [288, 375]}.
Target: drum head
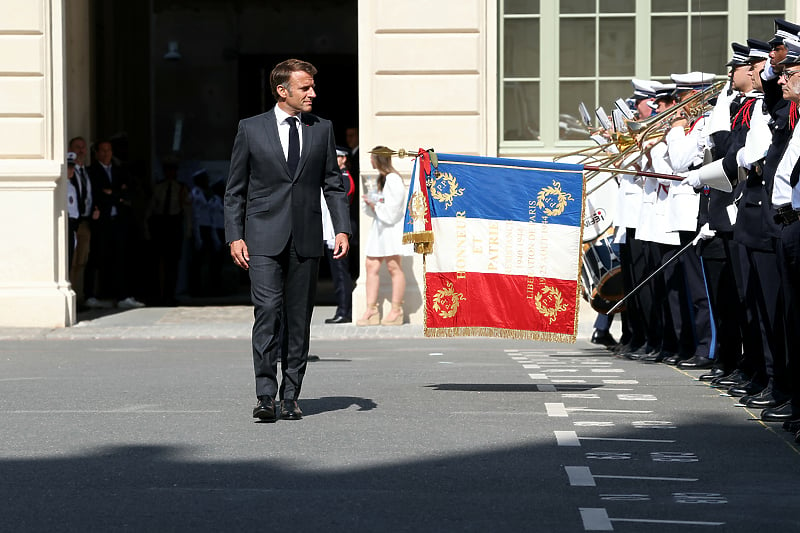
{"type": "Point", "coordinates": [611, 286]}
{"type": "Point", "coordinates": [600, 207]}
{"type": "Point", "coordinates": [608, 292]}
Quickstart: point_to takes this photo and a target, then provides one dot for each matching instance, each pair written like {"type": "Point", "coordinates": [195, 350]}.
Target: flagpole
{"type": "Point", "coordinates": [653, 274]}
{"type": "Point", "coordinates": [635, 173]}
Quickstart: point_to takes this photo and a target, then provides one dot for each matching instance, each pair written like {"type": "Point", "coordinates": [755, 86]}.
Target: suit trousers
{"type": "Point", "coordinates": [282, 289]}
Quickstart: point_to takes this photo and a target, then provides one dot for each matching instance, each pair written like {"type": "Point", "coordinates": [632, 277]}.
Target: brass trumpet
{"type": "Point", "coordinates": [693, 106]}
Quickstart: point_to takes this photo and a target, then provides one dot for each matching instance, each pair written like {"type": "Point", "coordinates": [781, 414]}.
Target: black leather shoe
{"type": "Point", "coordinates": [735, 378]}
{"type": "Point", "coordinates": [673, 359]}
{"type": "Point", "coordinates": [750, 388]}
{"type": "Point", "coordinates": [766, 399]}
{"type": "Point", "coordinates": [712, 374]}
{"type": "Point", "coordinates": [695, 363]}
{"type": "Point", "coordinates": [636, 354]}
{"type": "Point", "coordinates": [777, 414]}
{"type": "Point", "coordinates": [654, 357]}
{"type": "Point", "coordinates": [290, 410]}
{"type": "Point", "coordinates": [622, 348]}
{"type": "Point", "coordinates": [797, 437]}
{"type": "Point", "coordinates": [338, 319]}
{"type": "Point", "coordinates": [603, 337]}
{"type": "Point", "coordinates": [265, 410]}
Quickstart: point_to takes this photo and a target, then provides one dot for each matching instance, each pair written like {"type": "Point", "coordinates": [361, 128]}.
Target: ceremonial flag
{"type": "Point", "coordinates": [502, 244]}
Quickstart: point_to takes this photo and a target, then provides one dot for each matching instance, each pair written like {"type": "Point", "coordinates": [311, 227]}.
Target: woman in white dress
{"type": "Point", "coordinates": [385, 243]}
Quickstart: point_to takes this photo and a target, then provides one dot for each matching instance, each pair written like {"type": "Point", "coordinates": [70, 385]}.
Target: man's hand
{"type": "Point", "coordinates": [239, 254]}
{"type": "Point", "coordinates": [340, 247]}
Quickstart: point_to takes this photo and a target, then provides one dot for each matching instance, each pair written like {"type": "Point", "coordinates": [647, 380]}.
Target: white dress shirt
{"type": "Point", "coordinates": [781, 190]}
{"type": "Point", "coordinates": [283, 130]}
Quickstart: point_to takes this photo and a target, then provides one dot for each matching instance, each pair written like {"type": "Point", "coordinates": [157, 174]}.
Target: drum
{"type": "Point", "coordinates": [601, 274]}
{"type": "Point", "coordinates": [600, 207]}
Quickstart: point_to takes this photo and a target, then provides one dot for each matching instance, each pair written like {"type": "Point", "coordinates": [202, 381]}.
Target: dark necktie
{"type": "Point", "coordinates": [294, 146]}
{"type": "Point", "coordinates": [74, 181]}
{"type": "Point", "coordinates": [795, 175]}
{"type": "Point", "coordinates": [80, 185]}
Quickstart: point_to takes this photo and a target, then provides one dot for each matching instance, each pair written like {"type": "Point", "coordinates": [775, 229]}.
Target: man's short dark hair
{"type": "Point", "coordinates": [78, 138]}
{"type": "Point", "coordinates": [282, 72]}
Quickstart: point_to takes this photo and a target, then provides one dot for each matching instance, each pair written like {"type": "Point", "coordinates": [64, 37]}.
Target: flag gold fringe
{"type": "Point", "coordinates": [417, 236]}
{"type": "Point", "coordinates": [422, 241]}
{"type": "Point", "coordinates": [501, 333]}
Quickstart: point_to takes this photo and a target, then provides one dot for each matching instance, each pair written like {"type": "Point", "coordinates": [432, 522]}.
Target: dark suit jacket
{"type": "Point", "coordinates": [264, 205]}
{"type": "Point", "coordinates": [119, 186]}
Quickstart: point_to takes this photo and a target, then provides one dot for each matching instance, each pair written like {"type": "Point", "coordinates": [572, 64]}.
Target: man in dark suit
{"type": "Point", "coordinates": [112, 226]}
{"type": "Point", "coordinates": [273, 224]}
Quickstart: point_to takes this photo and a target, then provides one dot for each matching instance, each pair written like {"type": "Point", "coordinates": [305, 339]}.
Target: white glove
{"type": "Point", "coordinates": [704, 234]}
{"type": "Point", "coordinates": [741, 159]}
{"type": "Point", "coordinates": [692, 179]}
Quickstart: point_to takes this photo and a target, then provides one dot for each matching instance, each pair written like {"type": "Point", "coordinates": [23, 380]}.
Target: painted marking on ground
{"type": "Point", "coordinates": [556, 410]}
{"type": "Point", "coordinates": [582, 476]}
{"type": "Point", "coordinates": [588, 410]}
{"type": "Point", "coordinates": [597, 519]}
{"type": "Point", "coordinates": [567, 438]}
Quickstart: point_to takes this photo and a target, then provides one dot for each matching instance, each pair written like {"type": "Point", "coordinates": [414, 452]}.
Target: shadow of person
{"type": "Point", "coordinates": [315, 406]}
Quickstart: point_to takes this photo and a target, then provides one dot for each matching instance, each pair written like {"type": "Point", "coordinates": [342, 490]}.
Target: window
{"type": "Point", "coordinates": [554, 55]}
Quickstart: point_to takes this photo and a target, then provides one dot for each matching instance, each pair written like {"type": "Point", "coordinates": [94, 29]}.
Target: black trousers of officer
{"type": "Point", "coordinates": [342, 283]}
{"type": "Point", "coordinates": [678, 336]}
{"type": "Point", "coordinates": [632, 266]}
{"type": "Point", "coordinates": [725, 302]}
{"type": "Point", "coordinates": [763, 297]}
{"type": "Point", "coordinates": [652, 297]}
{"type": "Point", "coordinates": [743, 273]}
{"type": "Point", "coordinates": [697, 332]}
{"type": "Point", "coordinates": [789, 264]}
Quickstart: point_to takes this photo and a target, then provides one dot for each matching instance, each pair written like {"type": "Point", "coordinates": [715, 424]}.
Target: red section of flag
{"type": "Point", "coordinates": [476, 300]}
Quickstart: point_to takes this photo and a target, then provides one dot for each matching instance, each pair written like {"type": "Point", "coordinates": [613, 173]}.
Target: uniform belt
{"type": "Point", "coordinates": [786, 215]}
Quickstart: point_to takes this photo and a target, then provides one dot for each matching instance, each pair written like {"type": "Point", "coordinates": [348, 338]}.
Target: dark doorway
{"type": "Point", "coordinates": [336, 85]}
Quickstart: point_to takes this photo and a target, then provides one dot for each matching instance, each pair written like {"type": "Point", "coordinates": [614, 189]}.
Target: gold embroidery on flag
{"type": "Point", "coordinates": [550, 302]}
{"type": "Point", "coordinates": [444, 188]}
{"type": "Point", "coordinates": [552, 200]}
{"type": "Point", "coordinates": [417, 207]}
{"type": "Point", "coordinates": [447, 309]}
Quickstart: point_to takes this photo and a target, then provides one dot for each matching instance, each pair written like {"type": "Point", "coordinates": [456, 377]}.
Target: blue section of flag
{"type": "Point", "coordinates": [507, 189]}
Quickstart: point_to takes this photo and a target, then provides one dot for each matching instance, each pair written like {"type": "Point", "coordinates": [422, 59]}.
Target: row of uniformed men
{"type": "Point", "coordinates": [730, 302]}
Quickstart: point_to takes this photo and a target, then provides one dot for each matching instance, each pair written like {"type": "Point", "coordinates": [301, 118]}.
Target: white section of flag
{"type": "Point", "coordinates": [504, 247]}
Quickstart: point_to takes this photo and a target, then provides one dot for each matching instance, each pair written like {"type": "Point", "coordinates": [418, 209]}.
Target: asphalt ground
{"type": "Point", "coordinates": [114, 426]}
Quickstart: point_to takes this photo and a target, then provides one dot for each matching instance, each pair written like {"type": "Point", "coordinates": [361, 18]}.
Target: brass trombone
{"type": "Point", "coordinates": [694, 106]}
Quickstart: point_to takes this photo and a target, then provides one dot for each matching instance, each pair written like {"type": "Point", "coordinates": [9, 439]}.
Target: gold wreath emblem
{"type": "Point", "coordinates": [447, 309]}
{"type": "Point", "coordinates": [552, 200]}
{"type": "Point", "coordinates": [444, 188]}
{"type": "Point", "coordinates": [550, 302]}
{"type": "Point", "coordinates": [417, 206]}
